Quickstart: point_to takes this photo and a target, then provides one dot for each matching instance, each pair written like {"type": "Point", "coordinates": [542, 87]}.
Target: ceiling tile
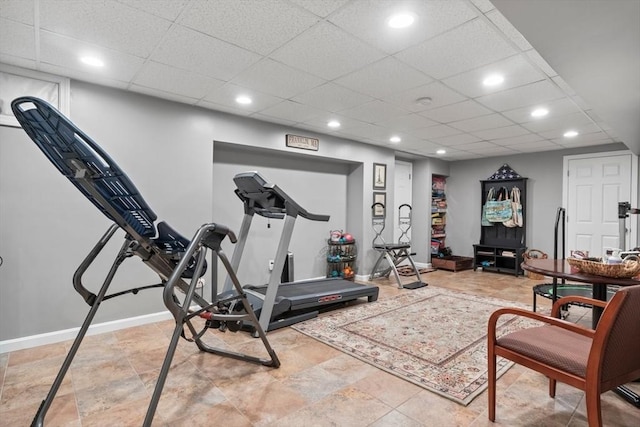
{"type": "Point", "coordinates": [225, 108]}
{"type": "Point", "coordinates": [327, 51]}
{"type": "Point", "coordinates": [528, 138]}
{"type": "Point", "coordinates": [277, 79]}
{"type": "Point", "coordinates": [64, 52]}
{"type": "Point", "coordinates": [17, 39]}
{"type": "Point", "coordinates": [455, 112]}
{"type": "Point", "coordinates": [440, 95]}
{"type": "Point", "coordinates": [222, 60]}
{"type": "Point", "coordinates": [332, 97]}
{"type": "Point", "coordinates": [158, 93]}
{"type": "Point", "coordinates": [259, 26]}
{"type": "Point", "coordinates": [18, 62]}
{"type": "Point", "coordinates": [374, 111]}
{"type": "Point", "coordinates": [558, 107]}
{"type": "Point", "coordinates": [290, 110]}
{"type": "Point", "coordinates": [461, 138]}
{"type": "Point", "coordinates": [227, 94]}
{"type": "Point", "coordinates": [538, 147]}
{"type": "Point", "coordinates": [167, 9]}
{"type": "Point", "coordinates": [481, 123]}
{"type": "Point", "coordinates": [483, 5]}
{"type": "Point", "coordinates": [407, 122]}
{"type": "Point", "coordinates": [502, 132]}
{"type": "Point", "coordinates": [577, 124]}
{"type": "Point", "coordinates": [321, 8]}
{"type": "Point", "coordinates": [368, 130]}
{"type": "Point", "coordinates": [492, 150]}
{"type": "Point", "coordinates": [105, 23]}
{"type": "Point", "coordinates": [508, 30]}
{"type": "Point", "coordinates": [383, 78]}
{"type": "Point", "coordinates": [475, 146]}
{"type": "Point", "coordinates": [468, 46]}
{"type": "Point", "coordinates": [558, 122]}
{"type": "Point", "coordinates": [345, 122]}
{"type": "Point", "coordinates": [434, 132]}
{"type": "Point", "coordinates": [541, 63]}
{"type": "Point", "coordinates": [18, 10]}
{"type": "Point", "coordinates": [367, 20]}
{"type": "Point", "coordinates": [517, 71]}
{"type": "Point", "coordinates": [528, 95]}
{"type": "Point", "coordinates": [173, 80]}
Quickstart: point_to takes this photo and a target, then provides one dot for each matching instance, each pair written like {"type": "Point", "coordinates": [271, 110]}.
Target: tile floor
{"type": "Point", "coordinates": [111, 380]}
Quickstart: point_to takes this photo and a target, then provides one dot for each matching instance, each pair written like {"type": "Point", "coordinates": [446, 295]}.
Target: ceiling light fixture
{"type": "Point", "coordinates": [539, 112]}
{"type": "Point", "coordinates": [395, 139]}
{"type": "Point", "coordinates": [244, 100]}
{"type": "Point", "coordinates": [334, 124]}
{"type": "Point", "coordinates": [401, 20]}
{"type": "Point", "coordinates": [441, 151]}
{"type": "Point", "coordinates": [493, 80]}
{"type": "Point", "coordinates": [570, 134]}
{"type": "Point", "coordinates": [92, 61]}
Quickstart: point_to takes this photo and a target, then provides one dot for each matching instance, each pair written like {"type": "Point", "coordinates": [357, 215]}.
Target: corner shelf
{"type": "Point", "coordinates": [341, 259]}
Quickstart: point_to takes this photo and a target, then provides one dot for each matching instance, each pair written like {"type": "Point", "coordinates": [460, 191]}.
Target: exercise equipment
{"type": "Point", "coordinates": [394, 253]}
{"type": "Point", "coordinates": [179, 262]}
{"type": "Point", "coordinates": [282, 304]}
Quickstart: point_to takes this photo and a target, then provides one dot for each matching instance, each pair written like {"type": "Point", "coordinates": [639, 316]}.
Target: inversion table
{"type": "Point", "coordinates": [394, 253]}
{"type": "Point", "coordinates": [178, 261]}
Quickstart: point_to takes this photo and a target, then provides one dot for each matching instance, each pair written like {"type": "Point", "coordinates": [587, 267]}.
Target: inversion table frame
{"type": "Point", "coordinates": [170, 255]}
{"type": "Point", "coordinates": [393, 253]}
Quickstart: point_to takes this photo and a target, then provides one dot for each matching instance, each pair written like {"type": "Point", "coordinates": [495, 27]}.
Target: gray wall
{"type": "Point", "coordinates": [544, 196]}
{"type": "Point", "coordinates": [47, 227]}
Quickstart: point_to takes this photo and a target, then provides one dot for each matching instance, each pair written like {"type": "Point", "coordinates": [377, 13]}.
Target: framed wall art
{"type": "Point", "coordinates": [379, 176]}
{"type": "Point", "coordinates": [379, 211]}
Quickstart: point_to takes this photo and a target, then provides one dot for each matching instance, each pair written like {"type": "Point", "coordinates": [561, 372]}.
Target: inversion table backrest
{"type": "Point", "coordinates": [95, 174]}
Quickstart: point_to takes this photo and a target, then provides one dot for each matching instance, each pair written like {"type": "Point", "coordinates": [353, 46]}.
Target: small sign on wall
{"type": "Point", "coordinates": [303, 142]}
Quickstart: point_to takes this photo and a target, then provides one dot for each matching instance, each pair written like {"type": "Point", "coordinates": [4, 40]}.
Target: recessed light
{"type": "Point", "coordinates": [401, 20]}
{"type": "Point", "coordinates": [395, 139]}
{"type": "Point", "coordinates": [539, 112]}
{"type": "Point", "coordinates": [244, 100]}
{"type": "Point", "coordinates": [441, 151]}
{"type": "Point", "coordinates": [92, 61]}
{"type": "Point", "coordinates": [493, 80]}
{"type": "Point", "coordinates": [334, 124]}
{"type": "Point", "coordinates": [570, 134]}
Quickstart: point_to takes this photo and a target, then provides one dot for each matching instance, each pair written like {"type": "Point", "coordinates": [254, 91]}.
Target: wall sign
{"type": "Point", "coordinates": [303, 142]}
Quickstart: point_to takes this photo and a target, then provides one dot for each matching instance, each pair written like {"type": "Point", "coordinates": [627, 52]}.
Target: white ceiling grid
{"type": "Point", "coordinates": [306, 62]}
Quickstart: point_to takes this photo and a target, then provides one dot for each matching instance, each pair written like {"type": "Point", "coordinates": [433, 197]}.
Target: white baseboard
{"type": "Point", "coordinates": [68, 334]}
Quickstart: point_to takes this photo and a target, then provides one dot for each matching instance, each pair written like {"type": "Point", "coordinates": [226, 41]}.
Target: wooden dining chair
{"type": "Point", "coordinates": [594, 361]}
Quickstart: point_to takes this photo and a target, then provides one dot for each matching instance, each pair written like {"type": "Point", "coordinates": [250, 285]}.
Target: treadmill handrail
{"type": "Point", "coordinates": [261, 191]}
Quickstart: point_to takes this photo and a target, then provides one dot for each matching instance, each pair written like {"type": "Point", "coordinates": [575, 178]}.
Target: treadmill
{"type": "Point", "coordinates": [282, 304]}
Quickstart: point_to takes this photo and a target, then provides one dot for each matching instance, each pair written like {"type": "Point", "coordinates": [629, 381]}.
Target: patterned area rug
{"type": "Point", "coordinates": [433, 337]}
{"type": "Point", "coordinates": [409, 271]}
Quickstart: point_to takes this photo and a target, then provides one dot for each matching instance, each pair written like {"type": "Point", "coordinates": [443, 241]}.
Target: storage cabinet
{"type": "Point", "coordinates": [501, 248]}
{"type": "Point", "coordinates": [341, 259]}
{"type": "Point", "coordinates": [499, 259]}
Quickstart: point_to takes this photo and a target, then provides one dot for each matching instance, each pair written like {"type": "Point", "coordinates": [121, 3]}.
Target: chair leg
{"type": "Point", "coordinates": [552, 387]}
{"type": "Point", "coordinates": [594, 412]}
{"type": "Point", "coordinates": [491, 392]}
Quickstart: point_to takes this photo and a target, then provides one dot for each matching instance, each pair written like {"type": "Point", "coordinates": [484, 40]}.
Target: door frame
{"type": "Point", "coordinates": [633, 230]}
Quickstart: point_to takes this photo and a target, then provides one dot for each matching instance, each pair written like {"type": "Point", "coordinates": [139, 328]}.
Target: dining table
{"type": "Point", "coordinates": [560, 269]}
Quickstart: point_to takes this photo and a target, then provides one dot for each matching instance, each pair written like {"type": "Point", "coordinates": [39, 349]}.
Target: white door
{"type": "Point", "coordinates": [401, 193]}
{"type": "Point", "coordinates": [594, 184]}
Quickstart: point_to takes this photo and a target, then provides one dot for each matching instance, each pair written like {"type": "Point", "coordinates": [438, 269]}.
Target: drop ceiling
{"type": "Point", "coordinates": [307, 62]}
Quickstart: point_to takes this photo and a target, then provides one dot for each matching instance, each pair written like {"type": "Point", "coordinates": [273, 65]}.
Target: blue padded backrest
{"type": "Point", "coordinates": [73, 153]}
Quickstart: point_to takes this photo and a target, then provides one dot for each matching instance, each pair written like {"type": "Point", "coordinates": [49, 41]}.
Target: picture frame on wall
{"type": "Point", "coordinates": [379, 211]}
{"type": "Point", "coordinates": [379, 176]}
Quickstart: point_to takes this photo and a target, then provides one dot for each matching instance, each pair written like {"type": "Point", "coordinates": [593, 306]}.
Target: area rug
{"type": "Point", "coordinates": [431, 336]}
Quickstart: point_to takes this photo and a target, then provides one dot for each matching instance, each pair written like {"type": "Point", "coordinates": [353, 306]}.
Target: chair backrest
{"type": "Point", "coordinates": [618, 335]}
{"type": "Point", "coordinates": [86, 165]}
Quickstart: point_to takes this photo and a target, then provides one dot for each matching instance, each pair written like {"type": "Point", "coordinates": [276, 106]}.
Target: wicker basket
{"type": "Point", "coordinates": [628, 269]}
{"type": "Point", "coordinates": [534, 254]}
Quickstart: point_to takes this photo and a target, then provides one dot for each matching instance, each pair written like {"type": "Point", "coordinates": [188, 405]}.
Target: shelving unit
{"type": "Point", "coordinates": [341, 259]}
{"type": "Point", "coordinates": [438, 213]}
{"type": "Point", "coordinates": [501, 248]}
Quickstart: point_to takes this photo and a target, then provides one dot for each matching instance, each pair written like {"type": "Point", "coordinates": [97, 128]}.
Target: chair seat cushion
{"type": "Point", "coordinates": [541, 343]}
{"type": "Point", "coordinates": [392, 246]}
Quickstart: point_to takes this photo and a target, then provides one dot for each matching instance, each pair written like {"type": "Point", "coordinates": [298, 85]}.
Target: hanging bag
{"type": "Point", "coordinates": [516, 209]}
{"type": "Point", "coordinates": [499, 210]}
{"type": "Point", "coordinates": [484, 221]}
